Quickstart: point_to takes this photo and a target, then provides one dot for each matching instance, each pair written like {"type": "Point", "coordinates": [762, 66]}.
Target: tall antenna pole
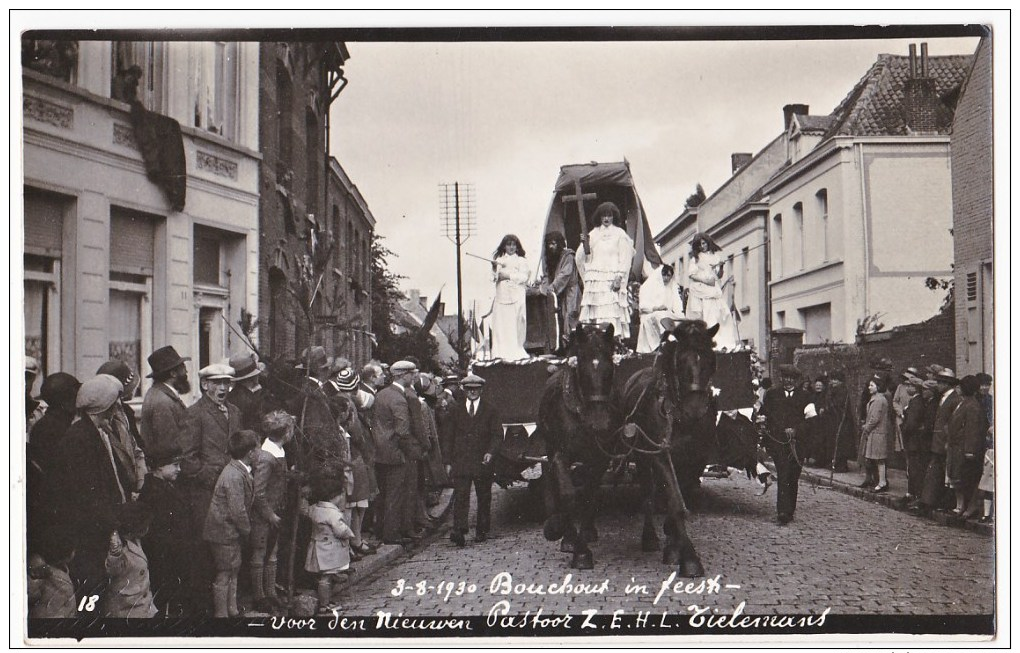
{"type": "Point", "coordinates": [458, 226]}
{"type": "Point", "coordinates": [460, 286]}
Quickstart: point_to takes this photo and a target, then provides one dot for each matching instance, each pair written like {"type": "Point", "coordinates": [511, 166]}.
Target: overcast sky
{"type": "Point", "coordinates": [505, 116]}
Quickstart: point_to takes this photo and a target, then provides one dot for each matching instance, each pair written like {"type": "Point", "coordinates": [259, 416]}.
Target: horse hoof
{"type": "Point", "coordinates": [671, 556]}
{"type": "Point", "coordinates": [650, 543]}
{"type": "Point", "coordinates": [691, 569]}
{"type": "Point", "coordinates": [582, 561]}
{"type": "Point", "coordinates": [553, 529]}
{"type": "Point", "coordinates": [566, 546]}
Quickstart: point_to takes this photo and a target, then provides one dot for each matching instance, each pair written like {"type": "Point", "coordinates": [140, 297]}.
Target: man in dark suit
{"type": "Point", "coordinates": [162, 421]}
{"type": "Point", "coordinates": [472, 434]}
{"type": "Point", "coordinates": [391, 429]}
{"type": "Point", "coordinates": [210, 422]}
{"type": "Point", "coordinates": [934, 494]}
{"type": "Point", "coordinates": [783, 410]}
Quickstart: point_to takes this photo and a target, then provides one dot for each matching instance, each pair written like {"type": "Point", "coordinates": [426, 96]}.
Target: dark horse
{"type": "Point", "coordinates": [670, 416]}
{"type": "Point", "coordinates": [575, 409]}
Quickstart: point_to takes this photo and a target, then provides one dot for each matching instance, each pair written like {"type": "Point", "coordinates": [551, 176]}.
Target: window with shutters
{"type": "Point", "coordinates": [218, 266]}
{"type": "Point", "coordinates": [799, 243]}
{"type": "Point", "coordinates": [822, 201]}
{"type": "Point", "coordinates": [132, 259]}
{"type": "Point", "coordinates": [44, 224]}
{"type": "Point", "coordinates": [777, 247]}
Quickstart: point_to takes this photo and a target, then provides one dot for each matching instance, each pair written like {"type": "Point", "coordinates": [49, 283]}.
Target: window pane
{"type": "Point", "coordinates": [125, 328]}
{"type": "Point", "coordinates": [207, 260]}
{"type": "Point", "coordinates": [35, 327]}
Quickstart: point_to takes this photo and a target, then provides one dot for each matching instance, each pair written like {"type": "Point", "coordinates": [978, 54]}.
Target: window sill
{"type": "Point", "coordinates": [801, 273]}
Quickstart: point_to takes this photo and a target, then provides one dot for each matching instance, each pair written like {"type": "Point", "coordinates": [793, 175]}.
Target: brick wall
{"type": "Point", "coordinates": [971, 144]}
{"type": "Point", "coordinates": [284, 185]}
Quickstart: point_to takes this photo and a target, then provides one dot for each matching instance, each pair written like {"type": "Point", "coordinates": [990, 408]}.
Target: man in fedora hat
{"type": "Point", "coordinates": [783, 410]}
{"type": "Point", "coordinates": [934, 495]}
{"type": "Point", "coordinates": [248, 394]}
{"type": "Point", "coordinates": [472, 435]}
{"type": "Point", "coordinates": [162, 419]}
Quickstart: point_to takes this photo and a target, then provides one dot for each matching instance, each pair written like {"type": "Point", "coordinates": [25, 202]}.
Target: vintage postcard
{"type": "Point", "coordinates": [667, 333]}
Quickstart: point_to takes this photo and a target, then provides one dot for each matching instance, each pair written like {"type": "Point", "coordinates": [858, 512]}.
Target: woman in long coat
{"type": "Point", "coordinates": [965, 447]}
{"type": "Point", "coordinates": [876, 433]}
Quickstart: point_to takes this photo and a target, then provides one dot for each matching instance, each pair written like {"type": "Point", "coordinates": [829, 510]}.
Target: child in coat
{"type": "Point", "coordinates": [329, 551]}
{"type": "Point", "coordinates": [50, 590]}
{"type": "Point", "coordinates": [270, 473]}
{"type": "Point", "coordinates": [128, 595]}
{"type": "Point", "coordinates": [169, 544]}
{"type": "Point", "coordinates": [228, 522]}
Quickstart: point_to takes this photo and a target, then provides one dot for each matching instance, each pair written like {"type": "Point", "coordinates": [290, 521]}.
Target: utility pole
{"type": "Point", "coordinates": [457, 204]}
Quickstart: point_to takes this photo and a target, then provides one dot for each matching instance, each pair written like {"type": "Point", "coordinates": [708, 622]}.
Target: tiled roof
{"type": "Point", "coordinates": [813, 123]}
{"type": "Point", "coordinates": [874, 107]}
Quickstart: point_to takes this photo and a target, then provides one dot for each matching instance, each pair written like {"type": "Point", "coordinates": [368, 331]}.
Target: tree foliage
{"type": "Point", "coordinates": [386, 298]}
{"type": "Point", "coordinates": [695, 198]}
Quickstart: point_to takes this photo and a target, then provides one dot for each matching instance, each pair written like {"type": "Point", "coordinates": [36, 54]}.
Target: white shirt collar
{"type": "Point", "coordinates": [273, 448]}
{"type": "Point", "coordinates": [246, 467]}
{"type": "Point", "coordinates": [399, 386]}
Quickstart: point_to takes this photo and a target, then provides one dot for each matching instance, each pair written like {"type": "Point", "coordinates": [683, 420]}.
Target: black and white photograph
{"type": "Point", "coordinates": [485, 328]}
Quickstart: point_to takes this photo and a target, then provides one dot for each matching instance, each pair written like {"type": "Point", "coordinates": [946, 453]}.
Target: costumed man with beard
{"type": "Point", "coordinates": [783, 412]}
{"type": "Point", "coordinates": [561, 279]}
{"type": "Point", "coordinates": [210, 422]}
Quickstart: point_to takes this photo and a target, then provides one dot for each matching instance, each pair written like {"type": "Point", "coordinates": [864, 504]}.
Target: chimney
{"type": "Point", "coordinates": [791, 110]}
{"type": "Point", "coordinates": [740, 159]}
{"type": "Point", "coordinates": [920, 97]}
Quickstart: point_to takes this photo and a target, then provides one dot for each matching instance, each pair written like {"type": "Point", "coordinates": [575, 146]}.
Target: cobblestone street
{"type": "Point", "coordinates": [855, 557]}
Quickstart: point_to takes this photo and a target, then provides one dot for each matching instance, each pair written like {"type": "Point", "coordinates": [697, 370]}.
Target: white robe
{"type": "Point", "coordinates": [705, 299]}
{"type": "Point", "coordinates": [654, 296]}
{"type": "Point", "coordinates": [609, 259]}
{"type": "Point", "coordinates": [509, 317]}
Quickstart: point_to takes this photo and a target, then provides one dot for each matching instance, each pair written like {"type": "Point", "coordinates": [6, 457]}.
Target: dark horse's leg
{"type": "Point", "coordinates": [591, 477]}
{"type": "Point", "coordinates": [646, 474]}
{"type": "Point", "coordinates": [679, 549]}
{"type": "Point", "coordinates": [788, 470]}
{"type": "Point", "coordinates": [559, 524]}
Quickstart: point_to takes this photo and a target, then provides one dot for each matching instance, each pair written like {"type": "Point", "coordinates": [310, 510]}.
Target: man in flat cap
{"type": "Point", "coordinates": [93, 481]}
{"type": "Point", "coordinates": [472, 435]}
{"type": "Point", "coordinates": [162, 419]}
{"type": "Point", "coordinates": [783, 410]}
{"type": "Point", "coordinates": [210, 422]}
{"type": "Point", "coordinates": [391, 429]}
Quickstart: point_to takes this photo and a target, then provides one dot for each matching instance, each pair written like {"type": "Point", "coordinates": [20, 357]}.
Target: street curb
{"type": "Point", "coordinates": [895, 502]}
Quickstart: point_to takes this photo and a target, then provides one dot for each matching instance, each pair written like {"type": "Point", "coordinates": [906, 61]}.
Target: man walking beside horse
{"type": "Point", "coordinates": [783, 412]}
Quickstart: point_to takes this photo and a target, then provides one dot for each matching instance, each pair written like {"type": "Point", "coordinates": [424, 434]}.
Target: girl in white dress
{"type": "Point", "coordinates": [705, 291]}
{"type": "Point", "coordinates": [608, 253]}
{"type": "Point", "coordinates": [509, 318]}
{"type": "Point", "coordinates": [658, 298]}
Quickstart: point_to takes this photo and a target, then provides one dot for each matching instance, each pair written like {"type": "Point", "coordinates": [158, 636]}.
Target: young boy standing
{"type": "Point", "coordinates": [228, 524]}
{"type": "Point", "coordinates": [170, 541]}
{"type": "Point", "coordinates": [270, 472]}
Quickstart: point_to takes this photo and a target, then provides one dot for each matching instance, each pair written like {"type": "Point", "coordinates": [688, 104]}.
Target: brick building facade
{"type": "Point", "coordinates": [300, 252]}
{"type": "Point", "coordinates": [973, 213]}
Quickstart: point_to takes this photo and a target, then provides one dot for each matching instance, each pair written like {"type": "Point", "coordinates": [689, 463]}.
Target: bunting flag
{"type": "Point", "coordinates": [432, 316]}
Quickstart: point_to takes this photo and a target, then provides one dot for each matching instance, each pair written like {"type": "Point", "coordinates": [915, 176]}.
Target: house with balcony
{"type": "Point", "coordinates": [141, 186]}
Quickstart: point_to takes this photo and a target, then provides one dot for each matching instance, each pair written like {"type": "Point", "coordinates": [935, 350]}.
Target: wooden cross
{"type": "Point", "coordinates": [580, 197]}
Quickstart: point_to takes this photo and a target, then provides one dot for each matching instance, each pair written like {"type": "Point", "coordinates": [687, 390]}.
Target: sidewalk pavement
{"type": "Point", "coordinates": [848, 482]}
